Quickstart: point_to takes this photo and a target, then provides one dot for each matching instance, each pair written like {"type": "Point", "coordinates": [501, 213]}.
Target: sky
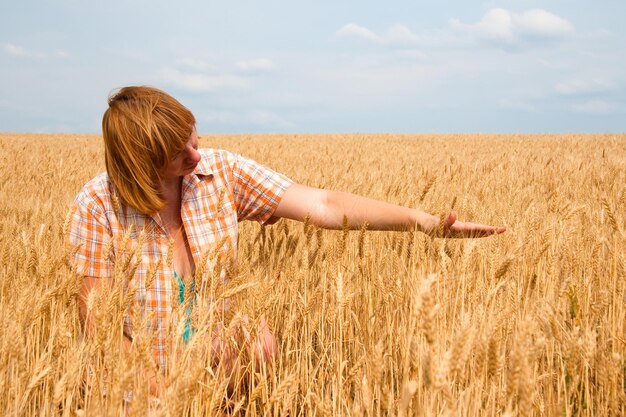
{"type": "Point", "coordinates": [320, 66]}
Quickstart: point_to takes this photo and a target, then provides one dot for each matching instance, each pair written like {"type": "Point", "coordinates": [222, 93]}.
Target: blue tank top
{"type": "Point", "coordinates": [181, 299]}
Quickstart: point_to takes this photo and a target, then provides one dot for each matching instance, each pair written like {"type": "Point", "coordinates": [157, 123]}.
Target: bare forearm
{"type": "Point", "coordinates": [377, 214]}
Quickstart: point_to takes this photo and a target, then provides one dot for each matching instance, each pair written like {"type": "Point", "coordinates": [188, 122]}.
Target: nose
{"type": "Point", "coordinates": [193, 155]}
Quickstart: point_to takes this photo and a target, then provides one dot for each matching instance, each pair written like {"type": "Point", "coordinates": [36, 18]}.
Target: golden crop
{"type": "Point", "coordinates": [531, 322]}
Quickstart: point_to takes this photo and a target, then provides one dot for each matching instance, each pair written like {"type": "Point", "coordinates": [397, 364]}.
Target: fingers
{"type": "Point", "coordinates": [484, 231]}
{"type": "Point", "coordinates": [450, 227]}
{"type": "Point", "coordinates": [473, 230]}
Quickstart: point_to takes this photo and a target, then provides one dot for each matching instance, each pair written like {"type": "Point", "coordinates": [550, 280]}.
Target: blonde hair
{"type": "Point", "coordinates": [143, 129]}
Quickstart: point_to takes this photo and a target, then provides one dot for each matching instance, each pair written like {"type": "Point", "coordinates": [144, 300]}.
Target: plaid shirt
{"type": "Point", "coordinates": [108, 239]}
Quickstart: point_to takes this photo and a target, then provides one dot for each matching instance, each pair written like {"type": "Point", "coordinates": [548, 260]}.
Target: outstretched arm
{"type": "Point", "coordinates": [327, 209]}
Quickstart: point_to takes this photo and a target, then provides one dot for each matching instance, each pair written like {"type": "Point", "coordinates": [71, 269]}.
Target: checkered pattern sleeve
{"type": "Point", "coordinates": [257, 189]}
{"type": "Point", "coordinates": [88, 236]}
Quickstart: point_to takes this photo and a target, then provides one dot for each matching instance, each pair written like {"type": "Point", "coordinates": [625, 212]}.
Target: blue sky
{"type": "Point", "coordinates": [320, 67]}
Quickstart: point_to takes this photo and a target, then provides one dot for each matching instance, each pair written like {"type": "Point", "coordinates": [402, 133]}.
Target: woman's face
{"type": "Point", "coordinates": [185, 161]}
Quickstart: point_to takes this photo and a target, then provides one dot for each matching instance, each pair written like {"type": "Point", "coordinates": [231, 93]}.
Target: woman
{"type": "Point", "coordinates": [172, 205]}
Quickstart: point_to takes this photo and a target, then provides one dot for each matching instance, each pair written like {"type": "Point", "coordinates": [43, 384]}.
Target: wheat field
{"type": "Point", "coordinates": [531, 322]}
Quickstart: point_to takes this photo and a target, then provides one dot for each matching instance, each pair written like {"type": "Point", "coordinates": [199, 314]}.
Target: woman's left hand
{"type": "Point", "coordinates": [452, 228]}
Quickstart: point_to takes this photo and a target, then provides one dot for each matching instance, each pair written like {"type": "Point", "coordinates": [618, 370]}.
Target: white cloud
{"type": "Point", "coordinates": [201, 83]}
{"type": "Point", "coordinates": [198, 76]}
{"type": "Point", "coordinates": [356, 31]}
{"type": "Point", "coordinates": [259, 64]}
{"type": "Point", "coordinates": [19, 51]}
{"type": "Point", "coordinates": [543, 24]}
{"type": "Point", "coordinates": [399, 34]}
{"type": "Point", "coordinates": [497, 24]}
{"type": "Point", "coordinates": [14, 50]}
{"type": "Point", "coordinates": [504, 26]}
{"type": "Point", "coordinates": [395, 35]}
{"type": "Point", "coordinates": [583, 86]}
{"type": "Point", "coordinates": [598, 107]}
